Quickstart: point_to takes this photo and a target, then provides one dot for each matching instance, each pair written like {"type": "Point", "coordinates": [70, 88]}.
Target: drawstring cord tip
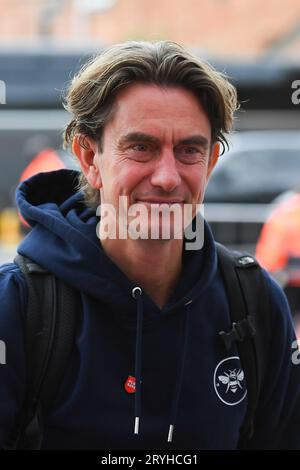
{"type": "Point", "coordinates": [136, 425]}
{"type": "Point", "coordinates": [170, 435]}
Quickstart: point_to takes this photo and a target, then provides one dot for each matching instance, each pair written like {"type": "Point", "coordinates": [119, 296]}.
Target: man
{"type": "Point", "coordinates": [147, 369]}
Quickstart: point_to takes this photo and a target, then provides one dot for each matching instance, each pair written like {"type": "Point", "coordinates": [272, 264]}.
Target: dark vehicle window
{"type": "Point", "coordinates": [249, 172]}
{"type": "Point", "coordinates": [260, 163]}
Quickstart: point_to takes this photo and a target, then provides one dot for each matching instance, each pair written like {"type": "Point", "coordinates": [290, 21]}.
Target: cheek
{"type": "Point", "coordinates": [122, 180]}
{"type": "Point", "coordinates": [196, 180]}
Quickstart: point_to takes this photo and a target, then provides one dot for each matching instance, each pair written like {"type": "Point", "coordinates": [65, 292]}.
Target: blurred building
{"type": "Point", "coordinates": [247, 28]}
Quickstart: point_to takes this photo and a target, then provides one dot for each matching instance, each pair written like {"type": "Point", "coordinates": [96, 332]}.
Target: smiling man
{"type": "Point", "coordinates": [157, 149]}
{"type": "Point", "coordinates": [151, 355]}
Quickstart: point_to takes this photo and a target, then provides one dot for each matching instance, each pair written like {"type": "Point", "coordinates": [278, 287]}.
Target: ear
{"type": "Point", "coordinates": [88, 159]}
{"type": "Point", "coordinates": [213, 158]}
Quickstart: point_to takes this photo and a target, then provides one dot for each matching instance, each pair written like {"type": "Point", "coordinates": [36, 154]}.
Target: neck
{"type": "Point", "coordinates": [155, 265]}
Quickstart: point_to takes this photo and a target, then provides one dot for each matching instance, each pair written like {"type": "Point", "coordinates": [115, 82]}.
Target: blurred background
{"type": "Point", "coordinates": [257, 44]}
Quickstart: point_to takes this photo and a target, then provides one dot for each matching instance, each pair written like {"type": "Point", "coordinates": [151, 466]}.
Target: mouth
{"type": "Point", "coordinates": [159, 201]}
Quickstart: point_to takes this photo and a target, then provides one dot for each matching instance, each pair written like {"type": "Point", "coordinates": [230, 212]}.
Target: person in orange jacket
{"type": "Point", "coordinates": [47, 159]}
{"type": "Point", "coordinates": [278, 247]}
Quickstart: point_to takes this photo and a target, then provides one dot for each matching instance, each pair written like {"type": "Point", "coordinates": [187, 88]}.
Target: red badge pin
{"type": "Point", "coordinates": [130, 384]}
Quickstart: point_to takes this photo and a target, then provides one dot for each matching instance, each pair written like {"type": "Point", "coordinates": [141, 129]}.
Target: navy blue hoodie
{"type": "Point", "coordinates": [186, 374]}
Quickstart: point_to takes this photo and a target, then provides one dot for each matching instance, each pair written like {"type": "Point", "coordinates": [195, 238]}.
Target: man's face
{"type": "Point", "coordinates": [156, 149]}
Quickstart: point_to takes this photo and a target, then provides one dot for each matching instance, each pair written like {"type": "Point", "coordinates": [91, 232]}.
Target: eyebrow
{"type": "Point", "coordinates": [195, 140]}
{"type": "Point", "coordinates": [142, 137]}
{"type": "Point", "coordinates": [138, 136]}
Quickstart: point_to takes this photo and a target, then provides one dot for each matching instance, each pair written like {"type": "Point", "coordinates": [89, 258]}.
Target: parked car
{"type": "Point", "coordinates": [259, 166]}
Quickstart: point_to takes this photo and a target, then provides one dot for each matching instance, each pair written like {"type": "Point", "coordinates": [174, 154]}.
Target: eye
{"type": "Point", "coordinates": [140, 151]}
{"type": "Point", "coordinates": [140, 147]}
{"type": "Point", "coordinates": [189, 153]}
{"type": "Point", "coordinates": [190, 150]}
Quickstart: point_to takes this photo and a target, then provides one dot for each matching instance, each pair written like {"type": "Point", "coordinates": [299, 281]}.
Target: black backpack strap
{"type": "Point", "coordinates": [251, 323]}
{"type": "Point", "coordinates": [50, 332]}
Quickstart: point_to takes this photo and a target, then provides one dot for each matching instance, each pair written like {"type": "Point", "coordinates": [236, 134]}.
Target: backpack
{"type": "Point", "coordinates": [50, 333]}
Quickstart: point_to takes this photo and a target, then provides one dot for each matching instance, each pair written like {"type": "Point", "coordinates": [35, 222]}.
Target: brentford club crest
{"type": "Point", "coordinates": [229, 381]}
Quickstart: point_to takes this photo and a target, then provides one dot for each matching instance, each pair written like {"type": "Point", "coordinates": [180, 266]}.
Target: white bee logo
{"type": "Point", "coordinates": [233, 379]}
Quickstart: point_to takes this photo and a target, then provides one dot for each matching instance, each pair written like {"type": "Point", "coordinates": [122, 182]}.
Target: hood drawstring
{"type": "Point", "coordinates": [180, 371]}
{"type": "Point", "coordinates": [137, 295]}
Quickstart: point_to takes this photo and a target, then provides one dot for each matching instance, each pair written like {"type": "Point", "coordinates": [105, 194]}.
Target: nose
{"type": "Point", "coordinates": [165, 174]}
